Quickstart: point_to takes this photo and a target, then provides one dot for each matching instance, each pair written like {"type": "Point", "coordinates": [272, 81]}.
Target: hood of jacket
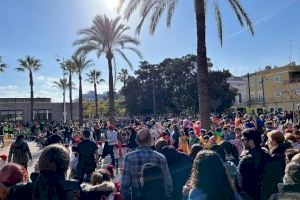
{"type": "Point", "coordinates": [289, 187]}
{"type": "Point", "coordinates": [103, 187]}
{"type": "Point", "coordinates": [18, 144]}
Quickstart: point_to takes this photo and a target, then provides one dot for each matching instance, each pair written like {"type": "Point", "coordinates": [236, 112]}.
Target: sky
{"type": "Point", "coordinates": [46, 30]}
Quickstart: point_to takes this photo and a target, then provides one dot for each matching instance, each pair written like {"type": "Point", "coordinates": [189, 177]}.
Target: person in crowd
{"type": "Point", "coordinates": [160, 144]}
{"type": "Point", "coordinates": [290, 188]}
{"type": "Point", "coordinates": [153, 183]}
{"type": "Point", "coordinates": [19, 152]}
{"type": "Point", "coordinates": [252, 165]}
{"type": "Point", "coordinates": [54, 138]}
{"type": "Point", "coordinates": [111, 139]}
{"type": "Point", "coordinates": [260, 122]}
{"type": "Point", "coordinates": [192, 139]}
{"type": "Point", "coordinates": [175, 136]}
{"type": "Point", "coordinates": [238, 119]}
{"type": "Point", "coordinates": [226, 134]}
{"type": "Point", "coordinates": [87, 157]}
{"type": "Point", "coordinates": [51, 183]}
{"type": "Point", "coordinates": [197, 128]}
{"type": "Point", "coordinates": [180, 166]}
{"type": "Point", "coordinates": [97, 131]}
{"type": "Point", "coordinates": [67, 134]}
{"type": "Point", "coordinates": [132, 145]}
{"type": "Point", "coordinates": [205, 185]}
{"type": "Point", "coordinates": [290, 153]}
{"type": "Point", "coordinates": [195, 150]}
{"type": "Point", "coordinates": [133, 163]}
{"type": "Point", "coordinates": [98, 188]}
{"type": "Point", "coordinates": [232, 171]}
{"type": "Point", "coordinates": [183, 142]}
{"type": "Point", "coordinates": [277, 150]}
{"type": "Point", "coordinates": [73, 161]}
{"type": "Point", "coordinates": [2, 134]}
{"type": "Point", "coordinates": [231, 152]}
{"type": "Point", "coordinates": [10, 175]}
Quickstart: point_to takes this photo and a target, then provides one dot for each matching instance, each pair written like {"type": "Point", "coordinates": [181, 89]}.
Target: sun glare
{"type": "Point", "coordinates": [112, 4]}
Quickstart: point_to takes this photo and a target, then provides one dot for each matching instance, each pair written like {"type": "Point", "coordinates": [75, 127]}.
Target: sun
{"type": "Point", "coordinates": [113, 4]}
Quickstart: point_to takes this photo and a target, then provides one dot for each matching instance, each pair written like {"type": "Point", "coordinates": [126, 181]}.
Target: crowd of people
{"type": "Point", "coordinates": [239, 157]}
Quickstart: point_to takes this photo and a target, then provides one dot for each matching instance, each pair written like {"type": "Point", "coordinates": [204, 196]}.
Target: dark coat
{"type": "Point", "coordinates": [180, 166]}
{"type": "Point", "coordinates": [252, 167]}
{"type": "Point", "coordinates": [97, 192]}
{"type": "Point", "coordinates": [276, 170]}
{"type": "Point", "coordinates": [19, 152]}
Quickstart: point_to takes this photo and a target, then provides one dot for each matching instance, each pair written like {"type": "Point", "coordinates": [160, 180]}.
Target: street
{"type": "Point", "coordinates": [35, 152]}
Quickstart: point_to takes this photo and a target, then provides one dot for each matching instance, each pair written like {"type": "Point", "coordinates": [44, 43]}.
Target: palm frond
{"type": "Point", "coordinates": [219, 21]}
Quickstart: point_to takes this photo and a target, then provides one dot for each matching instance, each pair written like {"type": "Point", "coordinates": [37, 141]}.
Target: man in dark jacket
{"type": "Point", "coordinates": [253, 164]}
{"type": "Point", "coordinates": [19, 152]}
{"type": "Point", "coordinates": [54, 138]}
{"type": "Point", "coordinates": [87, 157]}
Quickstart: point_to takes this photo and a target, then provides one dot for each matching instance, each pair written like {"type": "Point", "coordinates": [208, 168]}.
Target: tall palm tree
{"type": "Point", "coordinates": [63, 85]}
{"type": "Point", "coordinates": [108, 36]}
{"type": "Point", "coordinates": [2, 65]}
{"type": "Point", "coordinates": [94, 77]}
{"type": "Point", "coordinates": [80, 63]}
{"type": "Point", "coordinates": [30, 64]}
{"type": "Point", "coordinates": [155, 9]}
{"type": "Point", "coordinates": [123, 75]}
{"type": "Point", "coordinates": [69, 68]}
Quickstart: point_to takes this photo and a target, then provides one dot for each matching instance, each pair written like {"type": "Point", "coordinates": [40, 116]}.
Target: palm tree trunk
{"type": "Point", "coordinates": [31, 94]}
{"type": "Point", "coordinates": [202, 67]}
{"type": "Point", "coordinates": [111, 104]}
{"type": "Point", "coordinates": [96, 100]}
{"type": "Point", "coordinates": [70, 95]}
{"type": "Point", "coordinates": [80, 101]}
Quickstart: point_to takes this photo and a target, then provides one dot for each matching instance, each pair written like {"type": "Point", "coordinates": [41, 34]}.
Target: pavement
{"type": "Point", "coordinates": [35, 152]}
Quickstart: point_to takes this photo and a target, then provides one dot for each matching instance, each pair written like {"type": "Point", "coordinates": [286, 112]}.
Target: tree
{"type": "Point", "coordinates": [123, 75]}
{"type": "Point", "coordinates": [2, 65]}
{"type": "Point", "coordinates": [108, 36]}
{"type": "Point", "coordinates": [94, 77]}
{"type": "Point", "coordinates": [80, 63]}
{"type": "Point", "coordinates": [70, 69]}
{"type": "Point", "coordinates": [30, 64]}
{"type": "Point", "coordinates": [155, 8]}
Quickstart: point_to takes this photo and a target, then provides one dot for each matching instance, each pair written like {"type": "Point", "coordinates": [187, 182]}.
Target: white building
{"type": "Point", "coordinates": [241, 85]}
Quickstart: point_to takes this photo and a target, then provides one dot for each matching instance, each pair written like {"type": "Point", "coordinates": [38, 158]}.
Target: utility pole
{"type": "Point", "coordinates": [249, 94]}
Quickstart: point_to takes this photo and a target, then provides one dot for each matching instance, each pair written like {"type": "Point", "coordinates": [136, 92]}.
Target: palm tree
{"type": "Point", "coordinates": [62, 84]}
{"type": "Point", "coordinates": [155, 9]}
{"type": "Point", "coordinates": [108, 36]}
{"type": "Point", "coordinates": [94, 77]}
{"type": "Point", "coordinates": [30, 64]}
{"type": "Point", "coordinates": [123, 75]}
{"type": "Point", "coordinates": [80, 63]}
{"type": "Point", "coordinates": [2, 65]}
{"type": "Point", "coordinates": [69, 68]}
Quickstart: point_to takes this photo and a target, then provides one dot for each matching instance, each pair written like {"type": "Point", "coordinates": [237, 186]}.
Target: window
{"type": "Point", "coordinates": [280, 109]}
{"type": "Point", "coordinates": [42, 115]}
{"type": "Point", "coordinates": [11, 115]}
{"type": "Point", "coordinates": [260, 95]}
{"type": "Point", "coordinates": [240, 98]}
{"type": "Point", "coordinates": [272, 109]}
{"type": "Point", "coordinates": [276, 78]}
{"type": "Point", "coordinates": [277, 93]}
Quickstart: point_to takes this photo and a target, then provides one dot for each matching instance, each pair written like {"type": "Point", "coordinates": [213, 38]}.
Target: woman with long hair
{"type": "Point", "coordinates": [209, 179]}
{"type": "Point", "coordinates": [51, 183]}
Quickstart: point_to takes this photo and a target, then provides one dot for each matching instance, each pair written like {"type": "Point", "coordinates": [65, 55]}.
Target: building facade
{"type": "Point", "coordinates": [18, 109]}
{"type": "Point", "coordinates": [239, 84]}
{"type": "Point", "coordinates": [275, 89]}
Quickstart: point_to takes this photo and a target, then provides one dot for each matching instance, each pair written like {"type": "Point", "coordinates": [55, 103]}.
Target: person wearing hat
{"type": "Point", "coordinates": [19, 152]}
